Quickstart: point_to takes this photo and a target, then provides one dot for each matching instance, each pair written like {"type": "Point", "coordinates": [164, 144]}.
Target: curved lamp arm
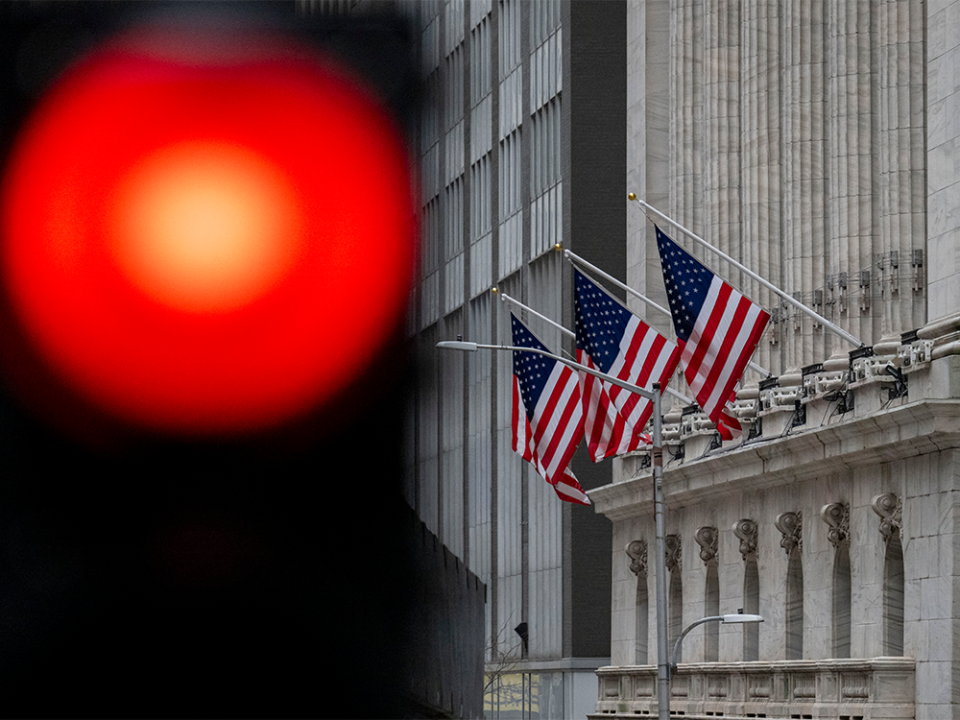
{"type": "Point", "coordinates": [737, 618]}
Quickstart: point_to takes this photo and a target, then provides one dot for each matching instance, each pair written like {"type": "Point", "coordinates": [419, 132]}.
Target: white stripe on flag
{"type": "Point", "coordinates": [568, 387]}
{"type": "Point", "coordinates": [697, 337]}
{"type": "Point", "coordinates": [719, 394]}
{"type": "Point", "coordinates": [596, 420]}
{"type": "Point", "coordinates": [563, 488]}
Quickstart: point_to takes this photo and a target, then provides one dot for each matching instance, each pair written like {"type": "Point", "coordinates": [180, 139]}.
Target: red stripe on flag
{"type": "Point", "coordinates": [649, 364]}
{"type": "Point", "coordinates": [553, 446]}
{"type": "Point", "coordinates": [707, 334]}
{"type": "Point", "coordinates": [596, 412]}
{"type": "Point", "coordinates": [723, 363]}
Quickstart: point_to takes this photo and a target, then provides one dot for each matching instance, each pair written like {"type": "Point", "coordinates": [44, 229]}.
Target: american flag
{"type": "Point", "coordinates": [717, 330]}
{"type": "Point", "coordinates": [613, 340]}
{"type": "Point", "coordinates": [547, 416]}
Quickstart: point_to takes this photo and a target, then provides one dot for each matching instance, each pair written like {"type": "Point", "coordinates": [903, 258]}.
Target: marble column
{"type": "Point", "coordinates": [686, 114]}
{"type": "Point", "coordinates": [852, 165]}
{"type": "Point", "coordinates": [803, 108]}
{"type": "Point", "coordinates": [761, 143]}
{"type": "Point", "coordinates": [902, 196]}
{"type": "Point", "coordinates": [721, 92]}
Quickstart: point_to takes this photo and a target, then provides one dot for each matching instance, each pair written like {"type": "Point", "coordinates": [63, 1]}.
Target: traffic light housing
{"type": "Point", "coordinates": [207, 227]}
{"type": "Point", "coordinates": [190, 514]}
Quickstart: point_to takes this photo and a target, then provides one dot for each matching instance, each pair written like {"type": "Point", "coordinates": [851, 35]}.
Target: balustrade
{"type": "Point", "coordinates": [844, 689]}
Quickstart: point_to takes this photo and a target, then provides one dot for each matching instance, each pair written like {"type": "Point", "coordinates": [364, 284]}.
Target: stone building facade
{"type": "Point", "coordinates": [815, 141]}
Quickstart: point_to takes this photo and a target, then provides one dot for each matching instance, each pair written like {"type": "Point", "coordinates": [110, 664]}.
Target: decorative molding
{"type": "Point", "coordinates": [890, 509]}
{"type": "Point", "coordinates": [837, 516]}
{"type": "Point", "coordinates": [790, 525]}
{"type": "Point", "coordinates": [708, 539]}
{"type": "Point", "coordinates": [746, 531]}
{"type": "Point", "coordinates": [884, 686]}
{"type": "Point", "coordinates": [637, 551]}
{"type": "Point", "coordinates": [900, 431]}
{"type": "Point", "coordinates": [674, 554]}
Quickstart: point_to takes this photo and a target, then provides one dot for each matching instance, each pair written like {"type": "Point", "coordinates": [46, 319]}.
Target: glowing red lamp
{"type": "Point", "coordinates": [201, 236]}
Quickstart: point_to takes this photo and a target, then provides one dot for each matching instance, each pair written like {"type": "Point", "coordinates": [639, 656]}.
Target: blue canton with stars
{"type": "Point", "coordinates": [600, 322]}
{"type": "Point", "coordinates": [687, 282]}
{"type": "Point", "coordinates": [531, 369]}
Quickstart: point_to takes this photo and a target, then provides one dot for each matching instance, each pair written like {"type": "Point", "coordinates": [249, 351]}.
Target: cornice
{"type": "Point", "coordinates": [909, 430]}
{"type": "Point", "coordinates": [761, 666]}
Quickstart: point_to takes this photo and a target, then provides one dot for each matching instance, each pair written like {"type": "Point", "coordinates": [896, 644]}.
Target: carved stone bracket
{"type": "Point", "coordinates": [674, 554]}
{"type": "Point", "coordinates": [637, 551]}
{"type": "Point", "coordinates": [790, 525]}
{"type": "Point", "coordinates": [837, 516]}
{"type": "Point", "coordinates": [890, 509]}
{"type": "Point", "coordinates": [708, 539]}
{"type": "Point", "coordinates": [746, 531]}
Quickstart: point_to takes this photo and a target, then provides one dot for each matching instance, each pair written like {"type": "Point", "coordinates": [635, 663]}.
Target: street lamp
{"type": "Point", "coordinates": [656, 451]}
{"type": "Point", "coordinates": [726, 619]}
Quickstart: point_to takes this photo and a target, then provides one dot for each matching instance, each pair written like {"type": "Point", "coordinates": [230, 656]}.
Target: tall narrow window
{"type": "Point", "coordinates": [842, 589]}
{"type": "Point", "coordinates": [643, 615]}
{"type": "Point", "coordinates": [643, 619]}
{"type": "Point", "coordinates": [790, 525]}
{"type": "Point", "coordinates": [890, 510]}
{"type": "Point", "coordinates": [751, 605]}
{"type": "Point", "coordinates": [746, 531]}
{"type": "Point", "coordinates": [637, 551]}
{"type": "Point", "coordinates": [708, 539]}
{"type": "Point", "coordinates": [794, 609]}
{"type": "Point", "coordinates": [711, 608]}
{"type": "Point", "coordinates": [837, 516]}
{"type": "Point", "coordinates": [675, 609]}
{"type": "Point", "coordinates": [893, 596]}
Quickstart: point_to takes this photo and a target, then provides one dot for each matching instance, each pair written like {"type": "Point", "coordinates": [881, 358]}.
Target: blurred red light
{"type": "Point", "coordinates": [205, 236]}
{"type": "Point", "coordinates": [205, 227]}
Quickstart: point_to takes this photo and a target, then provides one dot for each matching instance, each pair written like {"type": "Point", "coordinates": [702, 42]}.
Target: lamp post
{"type": "Point", "coordinates": [656, 450]}
{"type": "Point", "coordinates": [726, 619]}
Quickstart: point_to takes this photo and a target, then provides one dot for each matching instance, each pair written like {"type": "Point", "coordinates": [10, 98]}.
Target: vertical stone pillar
{"type": "Point", "coordinates": [902, 191]}
{"type": "Point", "coordinates": [942, 55]}
{"type": "Point", "coordinates": [851, 169]}
{"type": "Point", "coordinates": [686, 113]}
{"type": "Point", "coordinates": [721, 38]}
{"type": "Point", "coordinates": [649, 134]}
{"type": "Point", "coordinates": [803, 166]}
{"type": "Point", "coordinates": [761, 142]}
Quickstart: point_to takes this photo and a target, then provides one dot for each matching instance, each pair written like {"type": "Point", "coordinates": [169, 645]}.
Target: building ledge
{"type": "Point", "coordinates": [532, 665]}
{"type": "Point", "coordinates": [907, 430]}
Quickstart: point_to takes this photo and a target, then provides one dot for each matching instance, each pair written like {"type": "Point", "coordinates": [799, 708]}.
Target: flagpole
{"type": "Point", "coordinates": [472, 346]}
{"type": "Point", "coordinates": [570, 255]}
{"type": "Point", "coordinates": [663, 648]}
{"type": "Point", "coordinates": [573, 257]}
{"type": "Point", "coordinates": [571, 334]}
{"type": "Point", "coordinates": [517, 303]}
{"type": "Point", "coordinates": [770, 286]}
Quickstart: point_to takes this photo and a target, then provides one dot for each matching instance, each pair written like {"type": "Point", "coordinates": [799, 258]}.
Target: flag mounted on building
{"type": "Point", "coordinates": [613, 340]}
{"type": "Point", "coordinates": [547, 414]}
{"type": "Point", "coordinates": [717, 330]}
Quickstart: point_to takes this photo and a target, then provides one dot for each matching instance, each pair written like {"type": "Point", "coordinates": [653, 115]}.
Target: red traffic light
{"type": "Point", "coordinates": [204, 234]}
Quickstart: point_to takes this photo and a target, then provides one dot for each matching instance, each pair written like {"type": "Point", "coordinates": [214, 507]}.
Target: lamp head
{"type": "Point", "coordinates": [742, 618]}
{"type": "Point", "coordinates": [457, 345]}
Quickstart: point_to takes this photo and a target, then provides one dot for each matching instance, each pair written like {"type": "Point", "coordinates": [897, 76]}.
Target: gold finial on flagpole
{"type": "Point", "coordinates": [494, 291]}
{"type": "Point", "coordinates": [632, 196]}
{"type": "Point", "coordinates": [558, 247]}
